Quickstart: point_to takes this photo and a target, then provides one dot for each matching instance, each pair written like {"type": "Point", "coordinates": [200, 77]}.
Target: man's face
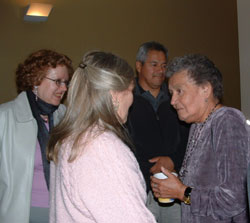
{"type": "Point", "coordinates": [152, 73]}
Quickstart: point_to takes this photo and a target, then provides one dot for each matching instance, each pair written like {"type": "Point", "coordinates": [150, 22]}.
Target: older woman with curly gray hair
{"type": "Point", "coordinates": [212, 184]}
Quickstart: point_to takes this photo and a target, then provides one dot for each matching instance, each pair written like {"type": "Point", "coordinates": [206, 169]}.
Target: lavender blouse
{"type": "Point", "coordinates": [217, 169]}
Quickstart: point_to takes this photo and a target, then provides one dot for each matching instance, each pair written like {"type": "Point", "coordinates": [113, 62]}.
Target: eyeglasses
{"type": "Point", "coordinates": [58, 82]}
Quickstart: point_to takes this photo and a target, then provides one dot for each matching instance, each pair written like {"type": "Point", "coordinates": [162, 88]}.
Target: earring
{"type": "Point", "coordinates": [36, 91]}
{"type": "Point", "coordinates": [116, 105]}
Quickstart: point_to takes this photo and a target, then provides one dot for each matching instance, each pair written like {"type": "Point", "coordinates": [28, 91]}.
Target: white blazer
{"type": "Point", "coordinates": [18, 137]}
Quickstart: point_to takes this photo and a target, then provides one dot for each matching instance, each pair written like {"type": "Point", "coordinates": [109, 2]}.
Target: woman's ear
{"type": "Point", "coordinates": [115, 99]}
{"type": "Point", "coordinates": [207, 89]}
{"type": "Point", "coordinates": [113, 96]}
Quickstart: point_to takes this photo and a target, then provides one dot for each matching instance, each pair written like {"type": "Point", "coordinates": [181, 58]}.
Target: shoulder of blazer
{"type": "Point", "coordinates": [59, 113]}
{"type": "Point", "coordinates": [19, 107]}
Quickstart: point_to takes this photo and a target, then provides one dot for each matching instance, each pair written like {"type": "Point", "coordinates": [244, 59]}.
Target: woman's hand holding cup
{"type": "Point", "coordinates": [167, 186]}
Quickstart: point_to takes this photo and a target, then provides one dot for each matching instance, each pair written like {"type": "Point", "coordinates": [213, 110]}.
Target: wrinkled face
{"type": "Point", "coordinates": [48, 90]}
{"type": "Point", "coordinates": [125, 99]}
{"type": "Point", "coordinates": [152, 72]}
{"type": "Point", "coordinates": [188, 98]}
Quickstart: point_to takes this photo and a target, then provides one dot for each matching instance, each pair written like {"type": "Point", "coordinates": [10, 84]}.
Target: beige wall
{"type": "Point", "coordinates": [75, 26]}
{"type": "Point", "coordinates": [244, 49]}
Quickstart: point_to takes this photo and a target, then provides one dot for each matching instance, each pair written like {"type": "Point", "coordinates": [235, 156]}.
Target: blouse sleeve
{"type": "Point", "coordinates": [228, 198]}
{"type": "Point", "coordinates": [110, 185]}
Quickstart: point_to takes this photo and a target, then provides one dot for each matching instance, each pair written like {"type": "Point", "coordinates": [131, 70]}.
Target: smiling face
{"type": "Point", "coordinates": [48, 91]}
{"type": "Point", "coordinates": [152, 72]}
{"type": "Point", "coordinates": [125, 99]}
{"type": "Point", "coordinates": [188, 98]}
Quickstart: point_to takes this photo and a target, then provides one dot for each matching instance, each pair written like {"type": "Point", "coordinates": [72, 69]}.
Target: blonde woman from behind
{"type": "Point", "coordinates": [94, 174]}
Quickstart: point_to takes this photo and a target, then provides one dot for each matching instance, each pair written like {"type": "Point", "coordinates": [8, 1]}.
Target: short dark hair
{"type": "Point", "coordinates": [200, 69]}
{"type": "Point", "coordinates": [148, 46]}
{"type": "Point", "coordinates": [34, 68]}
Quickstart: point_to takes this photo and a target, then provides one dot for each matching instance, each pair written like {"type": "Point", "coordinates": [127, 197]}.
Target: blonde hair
{"type": "Point", "coordinates": [89, 101]}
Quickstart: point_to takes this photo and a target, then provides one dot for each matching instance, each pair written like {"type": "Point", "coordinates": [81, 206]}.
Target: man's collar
{"type": "Point", "coordinates": [139, 90]}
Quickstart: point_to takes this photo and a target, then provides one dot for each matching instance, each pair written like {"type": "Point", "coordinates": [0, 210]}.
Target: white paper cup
{"type": "Point", "coordinates": [163, 176]}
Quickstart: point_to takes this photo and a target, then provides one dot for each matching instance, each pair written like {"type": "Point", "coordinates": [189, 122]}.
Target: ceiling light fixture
{"type": "Point", "coordinates": [37, 12]}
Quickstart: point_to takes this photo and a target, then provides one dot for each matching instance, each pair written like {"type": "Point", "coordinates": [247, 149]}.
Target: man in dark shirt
{"type": "Point", "coordinates": [159, 137]}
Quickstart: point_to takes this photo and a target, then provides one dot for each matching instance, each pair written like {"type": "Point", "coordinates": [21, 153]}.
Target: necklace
{"type": "Point", "coordinates": [192, 143]}
{"type": "Point", "coordinates": [45, 118]}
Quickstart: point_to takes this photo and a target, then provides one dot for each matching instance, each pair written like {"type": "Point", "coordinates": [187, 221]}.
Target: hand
{"type": "Point", "coordinates": [161, 161]}
{"type": "Point", "coordinates": [171, 187]}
